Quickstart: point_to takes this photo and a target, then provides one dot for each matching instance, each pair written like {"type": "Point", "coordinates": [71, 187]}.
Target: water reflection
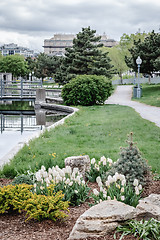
{"type": "Point", "coordinates": [17, 127]}
{"type": "Point", "coordinates": [27, 120]}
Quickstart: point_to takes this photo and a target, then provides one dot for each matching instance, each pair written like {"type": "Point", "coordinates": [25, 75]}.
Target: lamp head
{"type": "Point", "coordinates": [138, 60]}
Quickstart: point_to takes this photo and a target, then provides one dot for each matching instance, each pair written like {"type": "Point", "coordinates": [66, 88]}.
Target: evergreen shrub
{"type": "Point", "coordinates": [87, 90]}
{"type": "Point", "coordinates": [131, 164]}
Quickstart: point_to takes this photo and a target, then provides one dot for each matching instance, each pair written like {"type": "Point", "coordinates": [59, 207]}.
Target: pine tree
{"type": "Point", "coordinates": [84, 57]}
{"type": "Point", "coordinates": [131, 164]}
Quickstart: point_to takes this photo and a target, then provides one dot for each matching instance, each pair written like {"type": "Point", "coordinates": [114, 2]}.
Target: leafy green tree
{"type": "Point", "coordinates": [117, 57]}
{"type": "Point", "coordinates": [46, 66]}
{"type": "Point", "coordinates": [149, 51]}
{"type": "Point", "coordinates": [85, 57]}
{"type": "Point", "coordinates": [127, 41]}
{"type": "Point", "coordinates": [14, 64]}
{"type": "Point", "coordinates": [31, 64]}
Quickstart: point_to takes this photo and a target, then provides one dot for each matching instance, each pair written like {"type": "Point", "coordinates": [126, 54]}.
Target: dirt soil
{"type": "Point", "coordinates": [14, 227]}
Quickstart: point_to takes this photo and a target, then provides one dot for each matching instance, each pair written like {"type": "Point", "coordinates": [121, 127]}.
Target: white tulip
{"type": "Point", "coordinates": [68, 170]}
{"type": "Point", "coordinates": [93, 160]}
{"type": "Point", "coordinates": [38, 177]}
{"type": "Point", "coordinates": [122, 198]}
{"type": "Point", "coordinates": [45, 174]}
{"type": "Point", "coordinates": [108, 198]}
{"type": "Point", "coordinates": [50, 177]}
{"type": "Point", "coordinates": [43, 168]}
{"type": "Point", "coordinates": [114, 178]}
{"type": "Point", "coordinates": [122, 189]}
{"type": "Point", "coordinates": [73, 175]}
{"type": "Point", "coordinates": [95, 192]}
{"type": "Point", "coordinates": [70, 184]}
{"type": "Point", "coordinates": [104, 195]}
{"type": "Point", "coordinates": [123, 182]}
{"type": "Point", "coordinates": [83, 182]}
{"type": "Point", "coordinates": [47, 180]}
{"type": "Point", "coordinates": [140, 187]}
{"type": "Point", "coordinates": [67, 181]}
{"type": "Point", "coordinates": [75, 170]}
{"type": "Point", "coordinates": [135, 183]}
{"type": "Point", "coordinates": [101, 189]}
{"type": "Point", "coordinates": [98, 179]}
{"type": "Point", "coordinates": [122, 177]}
{"type": "Point", "coordinates": [109, 160]}
{"type": "Point", "coordinates": [107, 184]}
{"type": "Point", "coordinates": [49, 170]}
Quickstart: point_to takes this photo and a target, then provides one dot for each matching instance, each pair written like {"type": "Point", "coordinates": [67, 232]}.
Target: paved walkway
{"type": "Point", "coordinates": [122, 96]}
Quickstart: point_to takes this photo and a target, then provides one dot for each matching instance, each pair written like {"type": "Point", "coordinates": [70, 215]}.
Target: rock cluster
{"type": "Point", "coordinates": [107, 215]}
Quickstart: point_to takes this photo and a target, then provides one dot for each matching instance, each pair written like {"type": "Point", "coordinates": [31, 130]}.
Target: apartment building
{"type": "Point", "coordinates": [57, 44]}
{"type": "Point", "coordinates": [11, 49]}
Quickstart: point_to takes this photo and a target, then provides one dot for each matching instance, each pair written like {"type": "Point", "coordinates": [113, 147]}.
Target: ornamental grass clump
{"type": "Point", "coordinates": [131, 164]}
{"type": "Point", "coordinates": [145, 230]}
{"type": "Point", "coordinates": [71, 183]}
{"type": "Point", "coordinates": [116, 188]}
{"type": "Point", "coordinates": [99, 168]}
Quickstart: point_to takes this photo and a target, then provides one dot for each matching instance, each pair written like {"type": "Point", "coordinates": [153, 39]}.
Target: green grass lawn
{"type": "Point", "coordinates": [95, 131]}
{"type": "Point", "coordinates": [150, 95]}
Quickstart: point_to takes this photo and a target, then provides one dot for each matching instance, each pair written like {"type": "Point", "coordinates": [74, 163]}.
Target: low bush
{"type": "Point", "coordinates": [87, 90]}
{"type": "Point", "coordinates": [22, 179]}
{"type": "Point", "coordinates": [20, 197]}
{"type": "Point", "coordinates": [14, 197]}
{"type": "Point", "coordinates": [41, 207]}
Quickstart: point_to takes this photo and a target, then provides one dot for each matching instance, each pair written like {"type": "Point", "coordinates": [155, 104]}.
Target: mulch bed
{"type": "Point", "coordinates": [14, 227]}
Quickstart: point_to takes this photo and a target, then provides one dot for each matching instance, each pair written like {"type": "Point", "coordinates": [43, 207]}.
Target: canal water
{"type": "Point", "coordinates": [18, 126]}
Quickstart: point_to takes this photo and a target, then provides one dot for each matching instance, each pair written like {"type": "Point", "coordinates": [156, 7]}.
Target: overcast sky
{"type": "Point", "coordinates": [29, 22]}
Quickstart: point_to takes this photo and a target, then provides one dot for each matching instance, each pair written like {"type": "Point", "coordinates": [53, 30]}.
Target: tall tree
{"type": "Point", "coordinates": [149, 51]}
{"type": "Point", "coordinates": [117, 57]}
{"type": "Point", "coordinates": [46, 65]}
{"type": "Point", "coordinates": [14, 64]}
{"type": "Point", "coordinates": [85, 57]}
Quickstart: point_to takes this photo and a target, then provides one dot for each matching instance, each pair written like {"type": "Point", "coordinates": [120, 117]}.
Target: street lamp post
{"type": "Point", "coordinates": [138, 61]}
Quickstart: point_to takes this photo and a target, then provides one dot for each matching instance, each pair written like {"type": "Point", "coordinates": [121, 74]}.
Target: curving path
{"type": "Point", "coordinates": [122, 96]}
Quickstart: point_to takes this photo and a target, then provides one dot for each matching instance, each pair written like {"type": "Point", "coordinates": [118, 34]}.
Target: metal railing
{"type": "Point", "coordinates": [25, 89]}
{"type": "Point", "coordinates": [19, 88]}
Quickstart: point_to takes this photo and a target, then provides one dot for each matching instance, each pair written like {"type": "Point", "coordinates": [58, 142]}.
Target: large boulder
{"type": "Point", "coordinates": [102, 218]}
{"type": "Point", "coordinates": [151, 206]}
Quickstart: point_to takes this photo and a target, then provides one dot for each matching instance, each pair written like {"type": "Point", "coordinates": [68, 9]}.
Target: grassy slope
{"type": "Point", "coordinates": [96, 131]}
{"type": "Point", "coordinates": [151, 95]}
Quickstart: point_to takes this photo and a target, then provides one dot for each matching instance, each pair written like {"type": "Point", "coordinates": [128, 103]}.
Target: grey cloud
{"type": "Point", "coordinates": [45, 17]}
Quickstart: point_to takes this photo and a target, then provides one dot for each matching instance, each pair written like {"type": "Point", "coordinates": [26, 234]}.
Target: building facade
{"type": "Point", "coordinates": [12, 49]}
{"type": "Point", "coordinates": [57, 44]}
